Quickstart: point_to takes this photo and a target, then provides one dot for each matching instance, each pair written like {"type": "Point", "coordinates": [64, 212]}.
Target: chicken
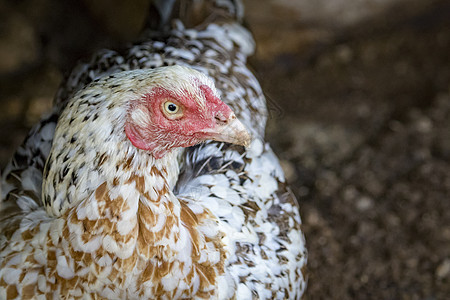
{"type": "Point", "coordinates": [150, 178]}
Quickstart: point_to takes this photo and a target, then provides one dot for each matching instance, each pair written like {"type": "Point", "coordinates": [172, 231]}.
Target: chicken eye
{"type": "Point", "coordinates": [171, 108]}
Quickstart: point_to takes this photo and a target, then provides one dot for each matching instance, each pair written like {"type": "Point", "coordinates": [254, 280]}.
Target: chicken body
{"type": "Point", "coordinates": [114, 221]}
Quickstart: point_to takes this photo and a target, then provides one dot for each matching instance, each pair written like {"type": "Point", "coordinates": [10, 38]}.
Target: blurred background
{"type": "Point", "coordinates": [359, 99]}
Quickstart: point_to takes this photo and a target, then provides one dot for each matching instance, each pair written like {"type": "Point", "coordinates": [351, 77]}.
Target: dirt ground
{"type": "Point", "coordinates": [359, 115]}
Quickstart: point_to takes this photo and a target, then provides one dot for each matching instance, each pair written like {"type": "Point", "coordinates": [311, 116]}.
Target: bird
{"type": "Point", "coordinates": [150, 178]}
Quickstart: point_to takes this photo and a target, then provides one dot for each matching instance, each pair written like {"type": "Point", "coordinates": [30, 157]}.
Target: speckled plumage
{"type": "Point", "coordinates": [109, 220]}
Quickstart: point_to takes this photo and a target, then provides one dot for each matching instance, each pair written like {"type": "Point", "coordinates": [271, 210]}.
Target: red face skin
{"type": "Point", "coordinates": [161, 132]}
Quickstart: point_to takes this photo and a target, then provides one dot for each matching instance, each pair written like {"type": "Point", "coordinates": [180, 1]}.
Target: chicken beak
{"type": "Point", "coordinates": [232, 131]}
